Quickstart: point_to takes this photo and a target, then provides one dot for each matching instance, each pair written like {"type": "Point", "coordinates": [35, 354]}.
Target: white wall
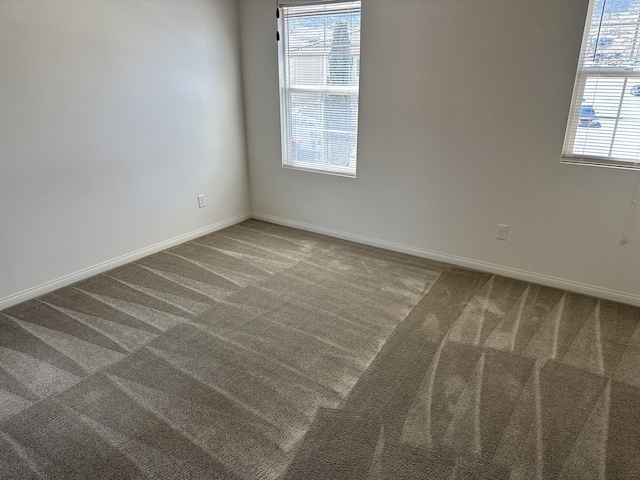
{"type": "Point", "coordinates": [463, 108]}
{"type": "Point", "coordinates": [114, 116]}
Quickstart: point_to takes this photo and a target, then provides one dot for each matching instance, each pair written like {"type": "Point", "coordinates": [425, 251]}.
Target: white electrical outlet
{"type": "Point", "coordinates": [201, 201]}
{"type": "Point", "coordinates": [502, 231]}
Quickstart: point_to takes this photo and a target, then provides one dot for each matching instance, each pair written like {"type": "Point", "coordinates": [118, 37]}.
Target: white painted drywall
{"type": "Point", "coordinates": [463, 108]}
{"type": "Point", "coordinates": [114, 116]}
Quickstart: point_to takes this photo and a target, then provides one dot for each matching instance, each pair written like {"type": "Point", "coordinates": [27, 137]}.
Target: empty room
{"type": "Point", "coordinates": [320, 239]}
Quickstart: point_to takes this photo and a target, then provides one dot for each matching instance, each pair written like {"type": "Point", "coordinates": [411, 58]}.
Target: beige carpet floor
{"type": "Point", "coordinates": [262, 352]}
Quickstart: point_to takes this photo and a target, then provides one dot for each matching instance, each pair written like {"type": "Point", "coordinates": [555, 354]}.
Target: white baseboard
{"type": "Point", "coordinates": [30, 293]}
{"type": "Point", "coordinates": [518, 274]}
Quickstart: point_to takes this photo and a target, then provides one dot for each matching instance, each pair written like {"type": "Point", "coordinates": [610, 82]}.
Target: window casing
{"type": "Point", "coordinates": [604, 121]}
{"type": "Point", "coordinates": [319, 60]}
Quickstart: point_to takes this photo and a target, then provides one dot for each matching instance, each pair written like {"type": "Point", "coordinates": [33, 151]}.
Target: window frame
{"type": "Point", "coordinates": [284, 90]}
{"type": "Point", "coordinates": [583, 74]}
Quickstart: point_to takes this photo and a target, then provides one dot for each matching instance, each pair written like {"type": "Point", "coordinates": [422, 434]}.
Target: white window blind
{"type": "Point", "coordinates": [604, 122]}
{"type": "Point", "coordinates": [319, 82]}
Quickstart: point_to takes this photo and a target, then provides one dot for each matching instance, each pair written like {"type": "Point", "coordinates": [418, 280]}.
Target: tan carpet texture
{"type": "Point", "coordinates": [263, 352]}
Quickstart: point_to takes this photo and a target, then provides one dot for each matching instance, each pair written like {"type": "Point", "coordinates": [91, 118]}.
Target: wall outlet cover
{"type": "Point", "coordinates": [502, 232]}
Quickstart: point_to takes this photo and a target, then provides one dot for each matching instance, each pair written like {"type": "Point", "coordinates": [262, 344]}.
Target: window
{"type": "Point", "coordinates": [319, 82]}
{"type": "Point", "coordinates": [604, 122]}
